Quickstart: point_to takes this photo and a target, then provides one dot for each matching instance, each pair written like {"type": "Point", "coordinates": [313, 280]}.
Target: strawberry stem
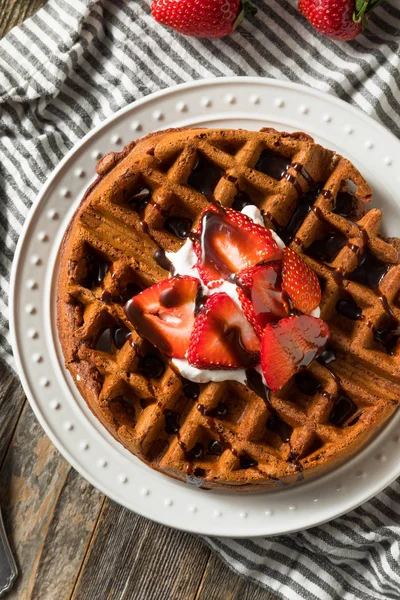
{"type": "Point", "coordinates": [247, 9]}
{"type": "Point", "coordinates": [362, 10]}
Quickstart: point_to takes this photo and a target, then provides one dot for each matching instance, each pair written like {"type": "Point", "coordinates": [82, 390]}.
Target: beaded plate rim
{"type": "Point", "coordinates": [50, 389]}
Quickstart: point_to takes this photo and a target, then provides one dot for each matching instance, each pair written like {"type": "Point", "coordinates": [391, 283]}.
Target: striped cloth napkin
{"type": "Point", "coordinates": [74, 64]}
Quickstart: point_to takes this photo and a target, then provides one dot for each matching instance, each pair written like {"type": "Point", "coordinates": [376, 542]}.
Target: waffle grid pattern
{"type": "Point", "coordinates": [136, 408]}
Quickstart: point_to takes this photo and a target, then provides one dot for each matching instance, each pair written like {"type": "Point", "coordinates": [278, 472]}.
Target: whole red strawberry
{"type": "Point", "coordinates": [338, 19]}
{"type": "Point", "coordinates": [202, 18]}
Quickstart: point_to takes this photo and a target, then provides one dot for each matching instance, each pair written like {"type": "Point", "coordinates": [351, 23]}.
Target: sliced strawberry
{"type": "Point", "coordinates": [260, 295]}
{"type": "Point", "coordinates": [164, 314]}
{"type": "Point", "coordinates": [290, 345]}
{"type": "Point", "coordinates": [222, 338]}
{"type": "Point", "coordinates": [300, 282]}
{"type": "Point", "coordinates": [230, 242]}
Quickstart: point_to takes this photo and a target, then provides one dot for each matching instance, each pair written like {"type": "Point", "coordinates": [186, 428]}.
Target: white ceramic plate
{"type": "Point", "coordinates": [249, 103]}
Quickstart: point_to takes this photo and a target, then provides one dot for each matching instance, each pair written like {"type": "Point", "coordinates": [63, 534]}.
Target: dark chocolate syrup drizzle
{"type": "Point", "coordinates": [196, 453]}
{"type": "Point", "coordinates": [291, 179]}
{"type": "Point", "coordinates": [97, 267]}
{"type": "Point", "coordinates": [305, 174]}
{"type": "Point", "coordinates": [179, 226]}
{"type": "Point", "coordinates": [127, 292]}
{"type": "Point", "coordinates": [194, 476]}
{"type": "Point", "coordinates": [273, 164]}
{"type": "Point", "coordinates": [219, 412]}
{"type": "Point", "coordinates": [171, 421]}
{"type": "Point", "coordinates": [246, 461]}
{"type": "Point", "coordinates": [140, 199]}
{"type": "Point", "coordinates": [172, 425]}
{"type": "Point", "coordinates": [386, 337]}
{"type": "Point", "coordinates": [283, 429]}
{"type": "Point", "coordinates": [385, 304]}
{"type": "Point", "coordinates": [159, 255]}
{"type": "Point", "coordinates": [152, 365]}
{"type": "Point", "coordinates": [215, 447]}
{"type": "Point", "coordinates": [348, 308]}
{"type": "Point", "coordinates": [191, 389]}
{"type": "Point", "coordinates": [274, 422]}
{"type": "Point", "coordinates": [343, 407]}
{"type": "Point", "coordinates": [230, 336]}
{"type": "Point", "coordinates": [344, 204]}
{"type": "Point", "coordinates": [230, 178]}
{"type": "Point", "coordinates": [241, 200]}
{"type": "Point", "coordinates": [306, 383]}
{"type": "Point", "coordinates": [256, 384]}
{"type": "Point", "coordinates": [120, 336]}
{"type": "Point", "coordinates": [205, 176]}
{"type": "Point", "coordinates": [327, 248]}
{"type": "Point", "coordinates": [370, 270]}
{"type": "Point", "coordinates": [342, 410]}
{"type": "Point", "coordinates": [161, 259]}
{"type": "Point", "coordinates": [112, 336]}
{"type": "Point", "coordinates": [273, 222]}
{"type": "Point", "coordinates": [327, 356]}
{"type": "Point", "coordinates": [219, 445]}
{"type": "Point", "coordinates": [200, 300]}
{"type": "Point", "coordinates": [305, 203]}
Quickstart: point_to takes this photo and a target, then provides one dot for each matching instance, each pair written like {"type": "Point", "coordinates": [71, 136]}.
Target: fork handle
{"type": "Point", "coordinates": [8, 568]}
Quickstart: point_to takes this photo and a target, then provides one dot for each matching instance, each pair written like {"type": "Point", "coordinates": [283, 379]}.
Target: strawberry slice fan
{"type": "Point", "coordinates": [248, 303]}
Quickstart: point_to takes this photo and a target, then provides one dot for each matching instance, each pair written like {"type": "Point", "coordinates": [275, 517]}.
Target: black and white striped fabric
{"type": "Point", "coordinates": [74, 64]}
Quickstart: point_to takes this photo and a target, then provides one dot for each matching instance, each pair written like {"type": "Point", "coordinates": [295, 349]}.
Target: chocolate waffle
{"type": "Point", "coordinates": [227, 435]}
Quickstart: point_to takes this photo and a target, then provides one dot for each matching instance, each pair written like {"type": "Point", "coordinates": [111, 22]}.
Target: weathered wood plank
{"type": "Point", "coordinates": [12, 399]}
{"type": "Point", "coordinates": [132, 557]}
{"type": "Point", "coordinates": [49, 512]}
{"type": "Point", "coordinates": [13, 12]}
{"type": "Point", "coordinates": [221, 583]}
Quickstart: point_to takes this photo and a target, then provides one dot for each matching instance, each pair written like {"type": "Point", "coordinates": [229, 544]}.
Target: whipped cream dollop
{"type": "Point", "coordinates": [206, 375]}
{"type": "Point", "coordinates": [183, 262]}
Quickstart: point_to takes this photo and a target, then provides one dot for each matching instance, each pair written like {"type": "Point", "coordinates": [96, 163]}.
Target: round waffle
{"type": "Point", "coordinates": [227, 435]}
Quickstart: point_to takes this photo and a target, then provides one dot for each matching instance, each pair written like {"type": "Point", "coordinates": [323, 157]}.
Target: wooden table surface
{"type": "Point", "coordinates": [69, 540]}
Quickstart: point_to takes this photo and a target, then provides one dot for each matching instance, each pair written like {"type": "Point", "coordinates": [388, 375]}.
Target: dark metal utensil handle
{"type": "Point", "coordinates": [8, 568]}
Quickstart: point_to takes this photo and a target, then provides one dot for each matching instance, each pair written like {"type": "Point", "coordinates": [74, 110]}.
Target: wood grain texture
{"type": "Point", "coordinates": [49, 512]}
{"type": "Point", "coordinates": [132, 557]}
{"type": "Point", "coordinates": [12, 399]}
{"type": "Point", "coordinates": [221, 583]}
{"type": "Point", "coordinates": [13, 12]}
{"type": "Point", "coordinates": [69, 541]}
